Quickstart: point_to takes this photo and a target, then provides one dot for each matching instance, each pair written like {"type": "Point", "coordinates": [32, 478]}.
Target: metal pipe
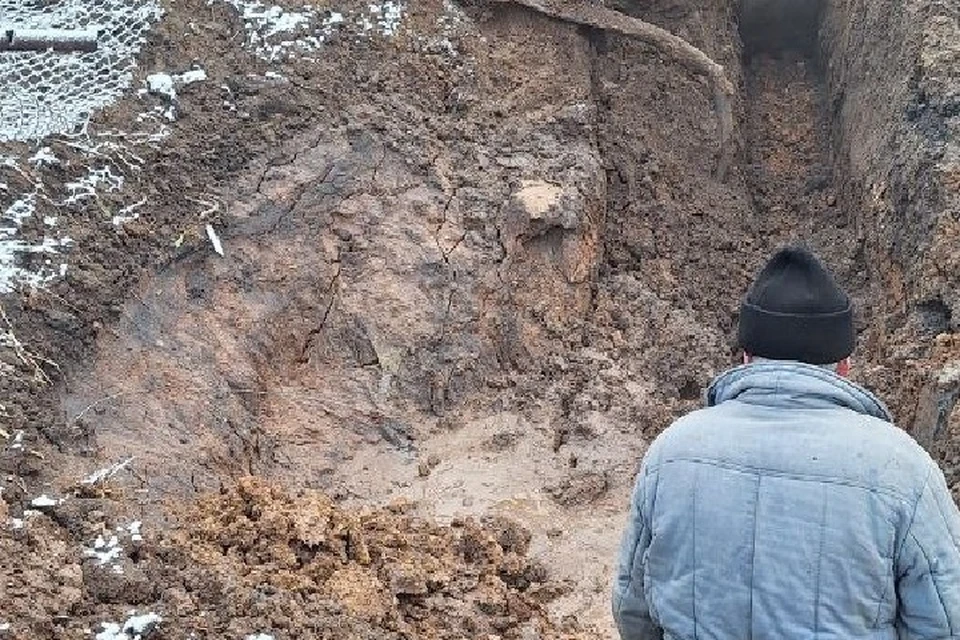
{"type": "Point", "coordinates": [64, 40]}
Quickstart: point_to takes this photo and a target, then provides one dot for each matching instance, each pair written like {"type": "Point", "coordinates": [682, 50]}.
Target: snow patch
{"type": "Point", "coordinates": [165, 85]}
{"type": "Point", "coordinates": [194, 75]}
{"type": "Point", "coordinates": [161, 84]}
{"type": "Point", "coordinates": [45, 501]}
{"type": "Point", "coordinates": [90, 184]}
{"type": "Point", "coordinates": [107, 473]}
{"type": "Point", "coordinates": [128, 214]}
{"type": "Point", "coordinates": [103, 550]}
{"type": "Point", "coordinates": [43, 157]}
{"type": "Point", "coordinates": [259, 636]}
{"type": "Point", "coordinates": [133, 629]}
{"type": "Point", "coordinates": [21, 209]}
{"type": "Point", "coordinates": [277, 33]}
{"type": "Point", "coordinates": [388, 16]}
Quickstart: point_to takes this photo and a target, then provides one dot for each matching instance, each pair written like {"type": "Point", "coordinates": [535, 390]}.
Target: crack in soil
{"type": "Point", "coordinates": [304, 357]}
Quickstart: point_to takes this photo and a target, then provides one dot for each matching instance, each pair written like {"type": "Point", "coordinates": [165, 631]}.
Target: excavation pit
{"type": "Point", "coordinates": [467, 276]}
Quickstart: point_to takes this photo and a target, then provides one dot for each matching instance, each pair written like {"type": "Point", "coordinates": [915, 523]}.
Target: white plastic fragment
{"type": "Point", "coordinates": [214, 239]}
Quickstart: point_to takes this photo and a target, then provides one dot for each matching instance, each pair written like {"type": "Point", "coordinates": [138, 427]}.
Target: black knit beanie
{"type": "Point", "coordinates": [796, 311]}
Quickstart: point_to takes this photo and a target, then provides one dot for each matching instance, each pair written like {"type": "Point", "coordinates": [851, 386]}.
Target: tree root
{"type": "Point", "coordinates": [584, 12]}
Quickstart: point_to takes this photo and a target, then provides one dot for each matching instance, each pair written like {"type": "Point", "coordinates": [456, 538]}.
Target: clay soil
{"type": "Point", "coordinates": [469, 271]}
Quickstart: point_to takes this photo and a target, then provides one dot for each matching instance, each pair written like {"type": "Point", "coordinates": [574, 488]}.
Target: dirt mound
{"type": "Point", "coordinates": [259, 559]}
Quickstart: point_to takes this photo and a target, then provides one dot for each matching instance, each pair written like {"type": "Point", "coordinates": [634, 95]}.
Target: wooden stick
{"type": "Point", "coordinates": [584, 12]}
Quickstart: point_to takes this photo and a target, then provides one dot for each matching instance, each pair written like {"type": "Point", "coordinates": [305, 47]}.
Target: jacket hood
{"type": "Point", "coordinates": [793, 384]}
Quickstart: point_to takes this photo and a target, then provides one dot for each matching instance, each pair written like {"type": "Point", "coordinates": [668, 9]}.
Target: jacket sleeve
{"type": "Point", "coordinates": [928, 566]}
{"type": "Point", "coordinates": [630, 611]}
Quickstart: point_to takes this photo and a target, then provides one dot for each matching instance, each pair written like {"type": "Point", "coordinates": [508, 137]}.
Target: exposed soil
{"type": "Point", "coordinates": [258, 558]}
{"type": "Point", "coordinates": [469, 271]}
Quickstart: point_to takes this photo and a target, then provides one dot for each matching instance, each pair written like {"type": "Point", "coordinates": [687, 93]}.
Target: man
{"type": "Point", "coordinates": [789, 507]}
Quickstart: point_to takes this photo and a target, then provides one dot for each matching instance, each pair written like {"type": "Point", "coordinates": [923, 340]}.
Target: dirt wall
{"type": "Point", "coordinates": [893, 99]}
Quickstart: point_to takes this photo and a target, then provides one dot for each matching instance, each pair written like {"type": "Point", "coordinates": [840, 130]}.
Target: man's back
{"type": "Point", "coordinates": [790, 508]}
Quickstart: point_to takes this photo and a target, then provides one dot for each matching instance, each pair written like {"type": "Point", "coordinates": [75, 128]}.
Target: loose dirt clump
{"type": "Point", "coordinates": [581, 487]}
{"type": "Point", "coordinates": [258, 558]}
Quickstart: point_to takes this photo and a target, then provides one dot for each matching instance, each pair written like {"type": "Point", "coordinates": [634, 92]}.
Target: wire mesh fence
{"type": "Point", "coordinates": [54, 91]}
{"type": "Point", "coordinates": [60, 61]}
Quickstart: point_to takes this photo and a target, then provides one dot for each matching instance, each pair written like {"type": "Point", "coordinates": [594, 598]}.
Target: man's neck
{"type": "Point", "coordinates": [833, 367]}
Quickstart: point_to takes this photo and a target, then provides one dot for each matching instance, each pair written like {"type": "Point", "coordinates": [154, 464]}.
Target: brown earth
{"type": "Point", "coordinates": [259, 558]}
{"type": "Point", "coordinates": [473, 268]}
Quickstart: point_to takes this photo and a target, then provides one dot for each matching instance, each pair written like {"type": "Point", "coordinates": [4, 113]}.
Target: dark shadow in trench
{"type": "Point", "coordinates": [776, 27]}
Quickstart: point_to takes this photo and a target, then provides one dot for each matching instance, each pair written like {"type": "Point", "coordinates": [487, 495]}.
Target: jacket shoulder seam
{"type": "Point", "coordinates": [779, 473]}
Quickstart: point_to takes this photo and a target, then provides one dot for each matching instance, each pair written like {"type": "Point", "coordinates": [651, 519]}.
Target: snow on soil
{"type": "Point", "coordinates": [105, 474]}
{"type": "Point", "coordinates": [45, 501]}
{"type": "Point", "coordinates": [276, 33]}
{"type": "Point", "coordinates": [165, 85]}
{"type": "Point", "coordinates": [105, 551]}
{"type": "Point", "coordinates": [134, 628]}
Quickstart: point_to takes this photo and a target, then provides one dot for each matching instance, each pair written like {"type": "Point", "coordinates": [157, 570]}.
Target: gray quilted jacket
{"type": "Point", "coordinates": [790, 507]}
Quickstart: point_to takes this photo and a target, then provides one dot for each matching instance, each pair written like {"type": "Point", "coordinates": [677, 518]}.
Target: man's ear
{"type": "Point", "coordinates": [843, 367]}
{"type": "Point", "coordinates": [747, 358]}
